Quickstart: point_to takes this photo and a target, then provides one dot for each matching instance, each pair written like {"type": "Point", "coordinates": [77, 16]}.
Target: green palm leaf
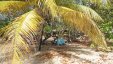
{"type": "Point", "coordinates": [100, 1]}
{"type": "Point", "coordinates": [88, 11]}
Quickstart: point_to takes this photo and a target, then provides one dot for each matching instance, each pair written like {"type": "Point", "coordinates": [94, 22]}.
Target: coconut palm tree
{"type": "Point", "coordinates": [24, 29]}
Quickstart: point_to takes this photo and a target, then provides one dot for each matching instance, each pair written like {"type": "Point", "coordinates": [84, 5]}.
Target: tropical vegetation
{"type": "Point", "coordinates": [32, 15]}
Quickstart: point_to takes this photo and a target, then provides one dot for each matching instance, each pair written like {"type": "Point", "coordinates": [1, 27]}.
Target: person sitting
{"type": "Point", "coordinates": [60, 41]}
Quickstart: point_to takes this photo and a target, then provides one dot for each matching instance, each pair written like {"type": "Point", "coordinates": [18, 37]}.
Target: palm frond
{"type": "Point", "coordinates": [100, 1]}
{"type": "Point", "coordinates": [53, 7]}
{"type": "Point", "coordinates": [18, 34]}
{"type": "Point", "coordinates": [78, 20]}
{"type": "Point", "coordinates": [86, 10]}
{"type": "Point", "coordinates": [65, 2]}
{"type": "Point", "coordinates": [6, 6]}
{"type": "Point", "coordinates": [48, 7]}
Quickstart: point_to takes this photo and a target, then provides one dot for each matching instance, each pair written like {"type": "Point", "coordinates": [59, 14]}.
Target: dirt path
{"type": "Point", "coordinates": [72, 53]}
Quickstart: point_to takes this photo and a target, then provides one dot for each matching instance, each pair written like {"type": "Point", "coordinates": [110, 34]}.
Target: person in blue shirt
{"type": "Point", "coordinates": [60, 41]}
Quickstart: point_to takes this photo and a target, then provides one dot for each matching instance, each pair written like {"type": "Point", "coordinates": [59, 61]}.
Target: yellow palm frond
{"type": "Point", "coordinates": [18, 0]}
{"type": "Point", "coordinates": [48, 7]}
{"type": "Point", "coordinates": [86, 10]}
{"type": "Point", "coordinates": [18, 34]}
{"type": "Point", "coordinates": [78, 20]}
{"type": "Point", "coordinates": [6, 6]}
{"type": "Point", "coordinates": [53, 7]}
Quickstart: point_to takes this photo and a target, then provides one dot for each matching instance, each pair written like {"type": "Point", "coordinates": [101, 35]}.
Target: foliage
{"type": "Point", "coordinates": [107, 29]}
{"type": "Point", "coordinates": [47, 29]}
{"type": "Point", "coordinates": [25, 28]}
{"type": "Point", "coordinates": [107, 26]}
{"type": "Point", "coordinates": [106, 14]}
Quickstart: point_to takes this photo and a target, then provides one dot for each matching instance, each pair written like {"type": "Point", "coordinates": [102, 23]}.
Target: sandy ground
{"type": "Point", "coordinates": [72, 53]}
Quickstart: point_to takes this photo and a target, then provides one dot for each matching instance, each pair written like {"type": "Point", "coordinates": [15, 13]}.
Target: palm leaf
{"type": "Point", "coordinates": [86, 10]}
{"type": "Point", "coordinates": [6, 6]}
{"type": "Point", "coordinates": [52, 6]}
{"type": "Point", "coordinates": [78, 20]}
{"type": "Point", "coordinates": [48, 7]}
{"type": "Point", "coordinates": [100, 1]}
{"type": "Point", "coordinates": [19, 33]}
